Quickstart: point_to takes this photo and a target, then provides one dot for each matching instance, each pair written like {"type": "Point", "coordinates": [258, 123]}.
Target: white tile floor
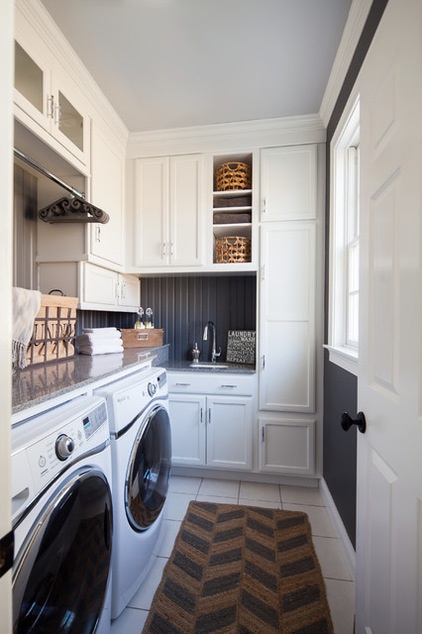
{"type": "Point", "coordinates": [335, 569]}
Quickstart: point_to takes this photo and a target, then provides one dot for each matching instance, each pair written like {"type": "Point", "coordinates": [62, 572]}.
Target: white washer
{"type": "Point", "coordinates": [141, 460]}
{"type": "Point", "coordinates": [62, 520]}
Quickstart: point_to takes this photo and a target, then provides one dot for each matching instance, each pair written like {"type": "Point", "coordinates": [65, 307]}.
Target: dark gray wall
{"type": "Point", "coordinates": [183, 305]}
{"type": "Point", "coordinates": [340, 395]}
{"type": "Point", "coordinates": [340, 387]}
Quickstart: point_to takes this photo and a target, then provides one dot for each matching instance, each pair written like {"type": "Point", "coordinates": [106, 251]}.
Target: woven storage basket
{"type": "Point", "coordinates": [54, 330]}
{"type": "Point", "coordinates": [232, 249]}
{"type": "Point", "coordinates": [233, 175]}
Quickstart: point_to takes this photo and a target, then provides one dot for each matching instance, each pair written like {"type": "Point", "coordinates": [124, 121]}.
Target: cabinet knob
{"type": "Point", "coordinates": [359, 421]}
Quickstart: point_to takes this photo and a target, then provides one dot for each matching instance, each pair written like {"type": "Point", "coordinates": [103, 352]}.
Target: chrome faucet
{"type": "Point", "coordinates": [214, 353]}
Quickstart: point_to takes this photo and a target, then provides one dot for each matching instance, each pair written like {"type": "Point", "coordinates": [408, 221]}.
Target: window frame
{"type": "Point", "coordinates": [343, 352]}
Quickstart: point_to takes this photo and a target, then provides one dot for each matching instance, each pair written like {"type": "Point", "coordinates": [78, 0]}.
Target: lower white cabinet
{"type": "Point", "coordinates": [213, 430]}
{"type": "Point", "coordinates": [286, 445]}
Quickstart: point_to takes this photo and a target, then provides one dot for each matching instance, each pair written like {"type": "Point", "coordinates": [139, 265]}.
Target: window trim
{"type": "Point", "coordinates": [346, 134]}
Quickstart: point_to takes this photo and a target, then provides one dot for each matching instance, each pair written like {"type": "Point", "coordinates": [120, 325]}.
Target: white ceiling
{"type": "Point", "coordinates": [177, 63]}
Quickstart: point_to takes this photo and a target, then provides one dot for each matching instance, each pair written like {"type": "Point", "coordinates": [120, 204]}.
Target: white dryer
{"type": "Point", "coordinates": [62, 520]}
{"type": "Point", "coordinates": [141, 460]}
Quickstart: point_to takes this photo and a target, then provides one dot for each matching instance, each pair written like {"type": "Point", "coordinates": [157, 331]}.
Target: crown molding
{"type": "Point", "coordinates": [358, 14]}
{"type": "Point", "coordinates": [239, 136]}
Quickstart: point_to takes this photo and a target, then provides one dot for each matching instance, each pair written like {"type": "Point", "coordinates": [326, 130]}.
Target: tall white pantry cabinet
{"type": "Point", "coordinates": [290, 274]}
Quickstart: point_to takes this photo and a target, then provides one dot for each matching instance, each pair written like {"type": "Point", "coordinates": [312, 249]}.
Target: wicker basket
{"type": "Point", "coordinates": [54, 330]}
{"type": "Point", "coordinates": [233, 175]}
{"type": "Point", "coordinates": [232, 249]}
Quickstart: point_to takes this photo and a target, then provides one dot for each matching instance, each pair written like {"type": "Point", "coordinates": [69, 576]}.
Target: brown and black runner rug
{"type": "Point", "coordinates": [239, 569]}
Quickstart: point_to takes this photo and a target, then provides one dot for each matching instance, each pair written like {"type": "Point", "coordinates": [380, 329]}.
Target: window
{"type": "Point", "coordinates": [343, 335]}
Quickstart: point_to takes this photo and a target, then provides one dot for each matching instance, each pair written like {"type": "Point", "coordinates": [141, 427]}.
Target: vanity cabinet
{"type": "Point", "coordinates": [169, 210]}
{"type": "Point", "coordinates": [47, 101]}
{"type": "Point", "coordinates": [211, 420]}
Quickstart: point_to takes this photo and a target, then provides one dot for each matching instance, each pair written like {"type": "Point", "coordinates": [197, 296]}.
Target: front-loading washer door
{"type": "Point", "coordinates": [149, 470]}
{"type": "Point", "coordinates": [61, 573]}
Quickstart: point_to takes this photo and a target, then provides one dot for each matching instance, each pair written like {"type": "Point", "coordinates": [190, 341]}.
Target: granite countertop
{"type": "Point", "coordinates": [186, 366]}
{"type": "Point", "coordinates": [43, 381]}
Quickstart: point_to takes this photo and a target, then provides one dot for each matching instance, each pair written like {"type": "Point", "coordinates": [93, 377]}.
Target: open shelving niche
{"type": "Point", "coordinates": [232, 202]}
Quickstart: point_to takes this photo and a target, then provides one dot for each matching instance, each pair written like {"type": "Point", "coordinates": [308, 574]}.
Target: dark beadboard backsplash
{"type": "Point", "coordinates": [183, 305]}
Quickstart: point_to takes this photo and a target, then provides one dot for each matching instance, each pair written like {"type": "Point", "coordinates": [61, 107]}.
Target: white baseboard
{"type": "Point", "coordinates": [342, 535]}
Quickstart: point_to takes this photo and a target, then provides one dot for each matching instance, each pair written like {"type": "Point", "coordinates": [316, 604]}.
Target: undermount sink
{"type": "Point", "coordinates": [201, 365]}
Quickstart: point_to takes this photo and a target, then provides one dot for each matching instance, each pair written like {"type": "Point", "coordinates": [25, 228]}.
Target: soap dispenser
{"type": "Point", "coordinates": [195, 353]}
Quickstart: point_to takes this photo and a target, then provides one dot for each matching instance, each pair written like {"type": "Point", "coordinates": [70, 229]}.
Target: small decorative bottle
{"type": "Point", "coordinates": [195, 353]}
{"type": "Point", "coordinates": [149, 322]}
{"type": "Point", "coordinates": [139, 322]}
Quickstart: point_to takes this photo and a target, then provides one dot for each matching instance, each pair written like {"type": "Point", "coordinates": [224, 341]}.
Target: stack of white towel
{"type": "Point", "coordinates": [99, 341]}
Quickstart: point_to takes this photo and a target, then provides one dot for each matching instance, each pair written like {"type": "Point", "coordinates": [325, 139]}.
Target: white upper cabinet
{"type": "Point", "coordinates": [289, 183]}
{"type": "Point", "coordinates": [107, 193]}
{"type": "Point", "coordinates": [48, 103]}
{"type": "Point", "coordinates": [169, 203]}
{"type": "Point", "coordinates": [102, 289]}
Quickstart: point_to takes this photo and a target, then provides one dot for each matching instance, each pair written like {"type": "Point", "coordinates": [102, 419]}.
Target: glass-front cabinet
{"type": "Point", "coordinates": [47, 102]}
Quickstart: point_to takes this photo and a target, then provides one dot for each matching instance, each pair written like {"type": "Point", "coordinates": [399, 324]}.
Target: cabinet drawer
{"type": "Point", "coordinates": [208, 383]}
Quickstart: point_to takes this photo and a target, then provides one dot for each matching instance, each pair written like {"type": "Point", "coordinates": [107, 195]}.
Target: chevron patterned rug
{"type": "Point", "coordinates": [239, 569]}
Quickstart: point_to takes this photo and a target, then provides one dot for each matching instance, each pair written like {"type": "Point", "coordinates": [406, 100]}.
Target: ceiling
{"type": "Point", "coordinates": [179, 63]}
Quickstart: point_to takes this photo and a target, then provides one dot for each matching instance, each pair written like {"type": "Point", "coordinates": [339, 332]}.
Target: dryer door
{"type": "Point", "coordinates": [149, 470]}
{"type": "Point", "coordinates": [61, 572]}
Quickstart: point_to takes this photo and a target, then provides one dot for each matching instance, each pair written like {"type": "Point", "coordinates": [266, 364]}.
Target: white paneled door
{"type": "Point", "coordinates": [389, 514]}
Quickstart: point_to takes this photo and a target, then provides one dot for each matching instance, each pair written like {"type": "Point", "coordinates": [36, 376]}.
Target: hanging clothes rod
{"type": "Point", "coordinates": [45, 172]}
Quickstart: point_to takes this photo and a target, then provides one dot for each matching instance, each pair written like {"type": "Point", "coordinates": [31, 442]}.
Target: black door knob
{"type": "Point", "coordinates": [360, 421]}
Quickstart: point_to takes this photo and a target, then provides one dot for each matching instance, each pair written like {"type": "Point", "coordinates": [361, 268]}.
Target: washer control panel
{"type": "Point", "coordinates": [65, 443]}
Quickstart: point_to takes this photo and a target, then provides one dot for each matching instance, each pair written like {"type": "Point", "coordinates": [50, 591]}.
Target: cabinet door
{"type": "Point", "coordinates": [287, 446]}
{"type": "Point", "coordinates": [186, 210]}
{"type": "Point", "coordinates": [287, 308]}
{"type": "Point", "coordinates": [229, 424]}
{"type": "Point", "coordinates": [129, 291]}
{"type": "Point", "coordinates": [50, 100]}
{"type": "Point", "coordinates": [99, 286]}
{"type": "Point", "coordinates": [187, 419]}
{"type": "Point", "coordinates": [289, 183]}
{"type": "Point", "coordinates": [70, 125]}
{"type": "Point", "coordinates": [32, 82]}
{"type": "Point", "coordinates": [107, 193]}
{"type": "Point", "coordinates": [151, 205]}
